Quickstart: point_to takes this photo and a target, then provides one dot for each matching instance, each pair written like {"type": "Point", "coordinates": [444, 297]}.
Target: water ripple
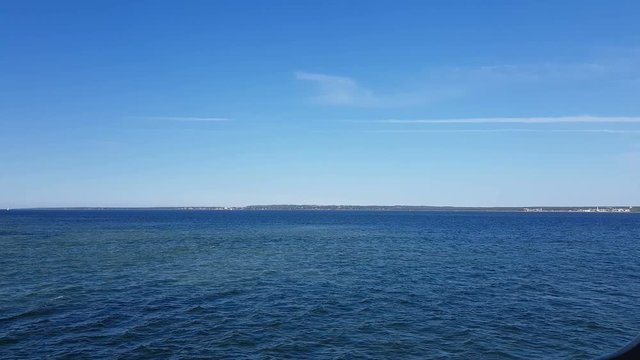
{"type": "Point", "coordinates": [335, 285]}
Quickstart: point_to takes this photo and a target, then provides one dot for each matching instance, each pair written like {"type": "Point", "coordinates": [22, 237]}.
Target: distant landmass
{"type": "Point", "coordinates": [599, 209]}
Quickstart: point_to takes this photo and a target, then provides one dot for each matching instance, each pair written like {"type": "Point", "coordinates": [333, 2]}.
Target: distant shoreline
{"type": "Point", "coordinates": [578, 209]}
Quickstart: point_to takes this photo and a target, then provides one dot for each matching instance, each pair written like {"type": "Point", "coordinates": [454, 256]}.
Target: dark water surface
{"type": "Point", "coordinates": [339, 285]}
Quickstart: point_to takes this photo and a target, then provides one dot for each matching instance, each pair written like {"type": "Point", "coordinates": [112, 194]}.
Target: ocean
{"type": "Point", "coordinates": [317, 284]}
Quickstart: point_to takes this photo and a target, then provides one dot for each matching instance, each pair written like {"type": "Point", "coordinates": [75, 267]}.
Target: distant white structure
{"type": "Point", "coordinates": [606, 210]}
{"type": "Point", "coordinates": [597, 209]}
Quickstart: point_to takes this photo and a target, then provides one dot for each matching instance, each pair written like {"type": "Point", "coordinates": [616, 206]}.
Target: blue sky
{"type": "Point", "coordinates": [225, 103]}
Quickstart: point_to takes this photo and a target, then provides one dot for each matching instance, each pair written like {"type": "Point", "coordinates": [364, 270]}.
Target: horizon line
{"type": "Point", "coordinates": [247, 207]}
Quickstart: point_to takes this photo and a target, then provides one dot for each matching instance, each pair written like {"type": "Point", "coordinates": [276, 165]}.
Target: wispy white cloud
{"type": "Point", "coordinates": [186, 118]}
{"type": "Point", "coordinates": [502, 73]}
{"type": "Point", "coordinates": [601, 66]}
{"type": "Point", "coordinates": [576, 131]}
{"type": "Point", "coordinates": [573, 122]}
{"type": "Point", "coordinates": [516, 120]}
{"type": "Point", "coordinates": [176, 131]}
{"type": "Point", "coordinates": [345, 91]}
{"type": "Point", "coordinates": [337, 90]}
{"type": "Point", "coordinates": [614, 71]}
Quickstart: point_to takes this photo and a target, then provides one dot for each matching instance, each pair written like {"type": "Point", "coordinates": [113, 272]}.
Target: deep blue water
{"type": "Point", "coordinates": [339, 285]}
